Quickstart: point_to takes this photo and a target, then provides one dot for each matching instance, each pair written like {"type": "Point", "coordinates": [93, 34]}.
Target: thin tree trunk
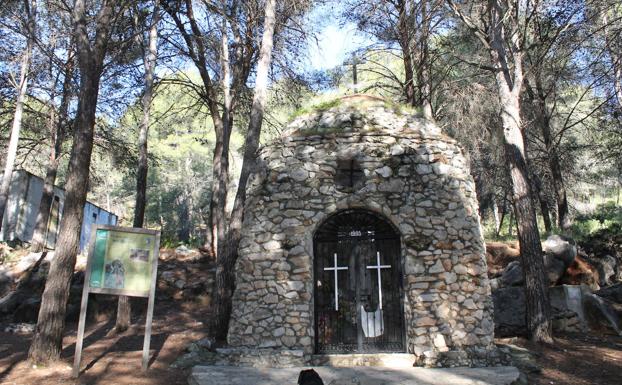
{"type": "Point", "coordinates": [124, 308]}
{"type": "Point", "coordinates": [39, 238]}
{"type": "Point", "coordinates": [503, 213]}
{"type": "Point", "coordinates": [544, 204]}
{"type": "Point", "coordinates": [220, 170]}
{"type": "Point", "coordinates": [495, 213]}
{"type": "Point", "coordinates": [614, 48]}
{"type": "Point", "coordinates": [224, 280]}
{"type": "Point", "coordinates": [563, 215]}
{"type": "Point", "coordinates": [511, 224]}
{"type": "Point", "coordinates": [47, 340]}
{"type": "Point", "coordinates": [31, 7]}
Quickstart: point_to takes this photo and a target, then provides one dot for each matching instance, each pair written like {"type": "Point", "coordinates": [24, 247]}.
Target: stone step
{"type": "Point", "coordinates": [393, 360]}
{"type": "Point", "coordinates": [229, 375]}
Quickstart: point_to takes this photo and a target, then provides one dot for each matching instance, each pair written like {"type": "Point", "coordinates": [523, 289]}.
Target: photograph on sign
{"type": "Point", "coordinates": [122, 260]}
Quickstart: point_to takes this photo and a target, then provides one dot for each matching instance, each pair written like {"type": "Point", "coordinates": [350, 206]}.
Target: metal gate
{"type": "Point", "coordinates": [358, 285]}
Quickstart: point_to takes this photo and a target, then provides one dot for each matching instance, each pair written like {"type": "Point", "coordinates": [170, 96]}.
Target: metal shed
{"type": "Point", "coordinates": [22, 207]}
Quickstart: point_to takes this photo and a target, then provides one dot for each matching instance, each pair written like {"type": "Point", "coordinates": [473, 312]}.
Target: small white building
{"type": "Point", "coordinates": [20, 216]}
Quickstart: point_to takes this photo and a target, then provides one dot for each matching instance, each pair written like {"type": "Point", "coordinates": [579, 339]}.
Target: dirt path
{"type": "Point", "coordinates": [108, 358]}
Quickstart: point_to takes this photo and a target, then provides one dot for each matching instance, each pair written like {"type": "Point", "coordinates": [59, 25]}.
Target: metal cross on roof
{"type": "Point", "coordinates": [354, 61]}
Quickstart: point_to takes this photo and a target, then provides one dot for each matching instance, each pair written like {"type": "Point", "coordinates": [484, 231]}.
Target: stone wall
{"type": "Point", "coordinates": [415, 177]}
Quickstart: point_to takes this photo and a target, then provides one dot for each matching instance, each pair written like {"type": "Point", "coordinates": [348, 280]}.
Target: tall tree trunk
{"type": "Point", "coordinates": [404, 31]}
{"type": "Point", "coordinates": [220, 184]}
{"type": "Point", "coordinates": [39, 238]}
{"type": "Point", "coordinates": [543, 120]}
{"type": "Point", "coordinates": [423, 72]}
{"type": "Point", "coordinates": [536, 290]}
{"type": "Point", "coordinates": [224, 282]}
{"type": "Point", "coordinates": [509, 83]}
{"type": "Point", "coordinates": [30, 7]}
{"type": "Point", "coordinates": [141, 173]}
{"type": "Point", "coordinates": [124, 309]}
{"type": "Point", "coordinates": [195, 41]}
{"type": "Point", "coordinates": [47, 340]}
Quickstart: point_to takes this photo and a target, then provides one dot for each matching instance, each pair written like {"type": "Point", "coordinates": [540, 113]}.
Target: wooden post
{"type": "Point", "coordinates": [84, 305]}
{"type": "Point", "coordinates": [154, 273]}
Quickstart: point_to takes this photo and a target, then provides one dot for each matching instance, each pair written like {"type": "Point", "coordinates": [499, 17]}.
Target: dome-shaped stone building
{"type": "Point", "coordinates": [361, 235]}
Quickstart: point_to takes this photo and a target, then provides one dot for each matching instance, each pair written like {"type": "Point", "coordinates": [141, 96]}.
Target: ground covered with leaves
{"type": "Point", "coordinates": [575, 359]}
{"type": "Point", "coordinates": [109, 358]}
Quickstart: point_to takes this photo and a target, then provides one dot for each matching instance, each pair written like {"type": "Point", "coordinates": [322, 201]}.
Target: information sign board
{"type": "Point", "coordinates": [121, 261]}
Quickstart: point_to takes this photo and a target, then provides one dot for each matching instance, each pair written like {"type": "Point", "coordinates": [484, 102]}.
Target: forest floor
{"type": "Point", "coordinates": [179, 316]}
{"type": "Point", "coordinates": [574, 359]}
{"type": "Point", "coordinates": [577, 359]}
{"type": "Point", "coordinates": [109, 357]}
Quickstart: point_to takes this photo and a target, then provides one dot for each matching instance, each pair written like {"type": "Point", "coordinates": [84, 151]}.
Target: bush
{"type": "Point", "coordinates": [606, 218]}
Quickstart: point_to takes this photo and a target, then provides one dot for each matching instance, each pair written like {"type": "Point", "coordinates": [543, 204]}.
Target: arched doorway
{"type": "Point", "coordinates": [358, 285]}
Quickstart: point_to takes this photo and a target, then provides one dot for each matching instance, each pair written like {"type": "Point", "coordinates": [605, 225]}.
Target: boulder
{"type": "Point", "coordinates": [560, 247]}
{"type": "Point", "coordinates": [602, 314]}
{"type": "Point", "coordinates": [580, 272]}
{"type": "Point", "coordinates": [183, 250]}
{"type": "Point", "coordinates": [567, 321]}
{"type": "Point", "coordinates": [6, 280]}
{"type": "Point", "coordinates": [499, 255]}
{"type": "Point", "coordinates": [555, 268]}
{"type": "Point", "coordinates": [606, 267]}
{"type": "Point", "coordinates": [559, 253]}
{"type": "Point", "coordinates": [611, 293]}
{"type": "Point", "coordinates": [512, 275]}
{"type": "Point", "coordinates": [509, 314]}
{"type": "Point", "coordinates": [27, 311]}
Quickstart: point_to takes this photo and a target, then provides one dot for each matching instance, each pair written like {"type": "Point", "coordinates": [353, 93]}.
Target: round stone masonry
{"type": "Point", "coordinates": [363, 153]}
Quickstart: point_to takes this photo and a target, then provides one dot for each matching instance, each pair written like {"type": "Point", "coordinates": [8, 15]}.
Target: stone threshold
{"type": "Point", "coordinates": [229, 375]}
{"type": "Point", "coordinates": [393, 360]}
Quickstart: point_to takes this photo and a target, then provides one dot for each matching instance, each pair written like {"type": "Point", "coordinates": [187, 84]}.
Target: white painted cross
{"type": "Point", "coordinates": [378, 267]}
{"type": "Point", "coordinates": [335, 268]}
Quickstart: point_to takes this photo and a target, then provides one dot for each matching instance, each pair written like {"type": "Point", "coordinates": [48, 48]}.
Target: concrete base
{"type": "Point", "coordinates": [229, 375]}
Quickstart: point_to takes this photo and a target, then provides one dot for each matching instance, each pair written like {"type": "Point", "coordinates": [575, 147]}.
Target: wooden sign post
{"type": "Point", "coordinates": [121, 261]}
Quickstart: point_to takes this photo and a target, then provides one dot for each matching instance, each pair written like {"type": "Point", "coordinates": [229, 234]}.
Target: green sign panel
{"type": "Point", "coordinates": [122, 260]}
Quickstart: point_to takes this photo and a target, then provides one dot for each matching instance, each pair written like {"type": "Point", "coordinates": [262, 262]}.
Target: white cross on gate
{"type": "Point", "coordinates": [335, 268]}
{"type": "Point", "coordinates": [378, 267]}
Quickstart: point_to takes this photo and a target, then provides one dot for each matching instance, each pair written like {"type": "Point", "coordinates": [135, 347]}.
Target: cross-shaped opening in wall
{"type": "Point", "coordinates": [349, 176]}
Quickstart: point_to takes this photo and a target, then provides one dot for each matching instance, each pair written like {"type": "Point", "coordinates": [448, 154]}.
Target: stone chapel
{"type": "Point", "coordinates": [362, 236]}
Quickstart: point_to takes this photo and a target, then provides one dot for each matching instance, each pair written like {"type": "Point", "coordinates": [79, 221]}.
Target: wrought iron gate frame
{"type": "Point", "coordinates": [400, 262]}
